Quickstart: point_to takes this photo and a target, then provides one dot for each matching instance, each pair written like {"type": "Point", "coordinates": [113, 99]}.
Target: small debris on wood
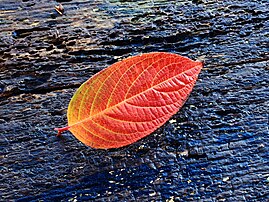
{"type": "Point", "coordinates": [60, 9]}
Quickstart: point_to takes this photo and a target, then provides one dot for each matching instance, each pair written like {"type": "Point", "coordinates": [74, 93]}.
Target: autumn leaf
{"type": "Point", "coordinates": [130, 99]}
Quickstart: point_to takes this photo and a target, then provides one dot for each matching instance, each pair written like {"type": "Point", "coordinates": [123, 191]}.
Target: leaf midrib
{"type": "Point", "coordinates": [124, 101]}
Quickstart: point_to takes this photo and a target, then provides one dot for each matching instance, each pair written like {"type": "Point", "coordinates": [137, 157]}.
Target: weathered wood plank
{"type": "Point", "coordinates": [215, 148]}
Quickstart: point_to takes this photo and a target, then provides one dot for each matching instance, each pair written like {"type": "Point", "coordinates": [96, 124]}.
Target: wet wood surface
{"type": "Point", "coordinates": [214, 149]}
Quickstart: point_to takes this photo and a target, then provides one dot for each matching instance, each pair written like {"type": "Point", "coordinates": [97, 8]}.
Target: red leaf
{"type": "Point", "coordinates": [130, 99]}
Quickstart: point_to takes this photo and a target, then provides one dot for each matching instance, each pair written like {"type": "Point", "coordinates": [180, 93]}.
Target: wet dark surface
{"type": "Point", "coordinates": [214, 149]}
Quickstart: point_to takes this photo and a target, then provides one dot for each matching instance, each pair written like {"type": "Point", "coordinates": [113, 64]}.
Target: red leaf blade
{"type": "Point", "coordinates": [131, 99]}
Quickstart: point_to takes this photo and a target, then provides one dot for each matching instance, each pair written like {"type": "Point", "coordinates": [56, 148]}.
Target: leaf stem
{"type": "Point", "coordinates": [60, 130]}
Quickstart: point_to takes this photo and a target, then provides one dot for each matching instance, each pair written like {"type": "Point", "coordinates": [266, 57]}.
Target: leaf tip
{"type": "Point", "coordinates": [201, 60]}
{"type": "Point", "coordinates": [60, 130]}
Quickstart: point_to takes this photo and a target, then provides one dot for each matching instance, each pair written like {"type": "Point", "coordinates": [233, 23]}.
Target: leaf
{"type": "Point", "coordinates": [130, 99]}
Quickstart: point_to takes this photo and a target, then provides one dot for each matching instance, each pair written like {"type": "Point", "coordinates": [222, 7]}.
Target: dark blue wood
{"type": "Point", "coordinates": [215, 149]}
